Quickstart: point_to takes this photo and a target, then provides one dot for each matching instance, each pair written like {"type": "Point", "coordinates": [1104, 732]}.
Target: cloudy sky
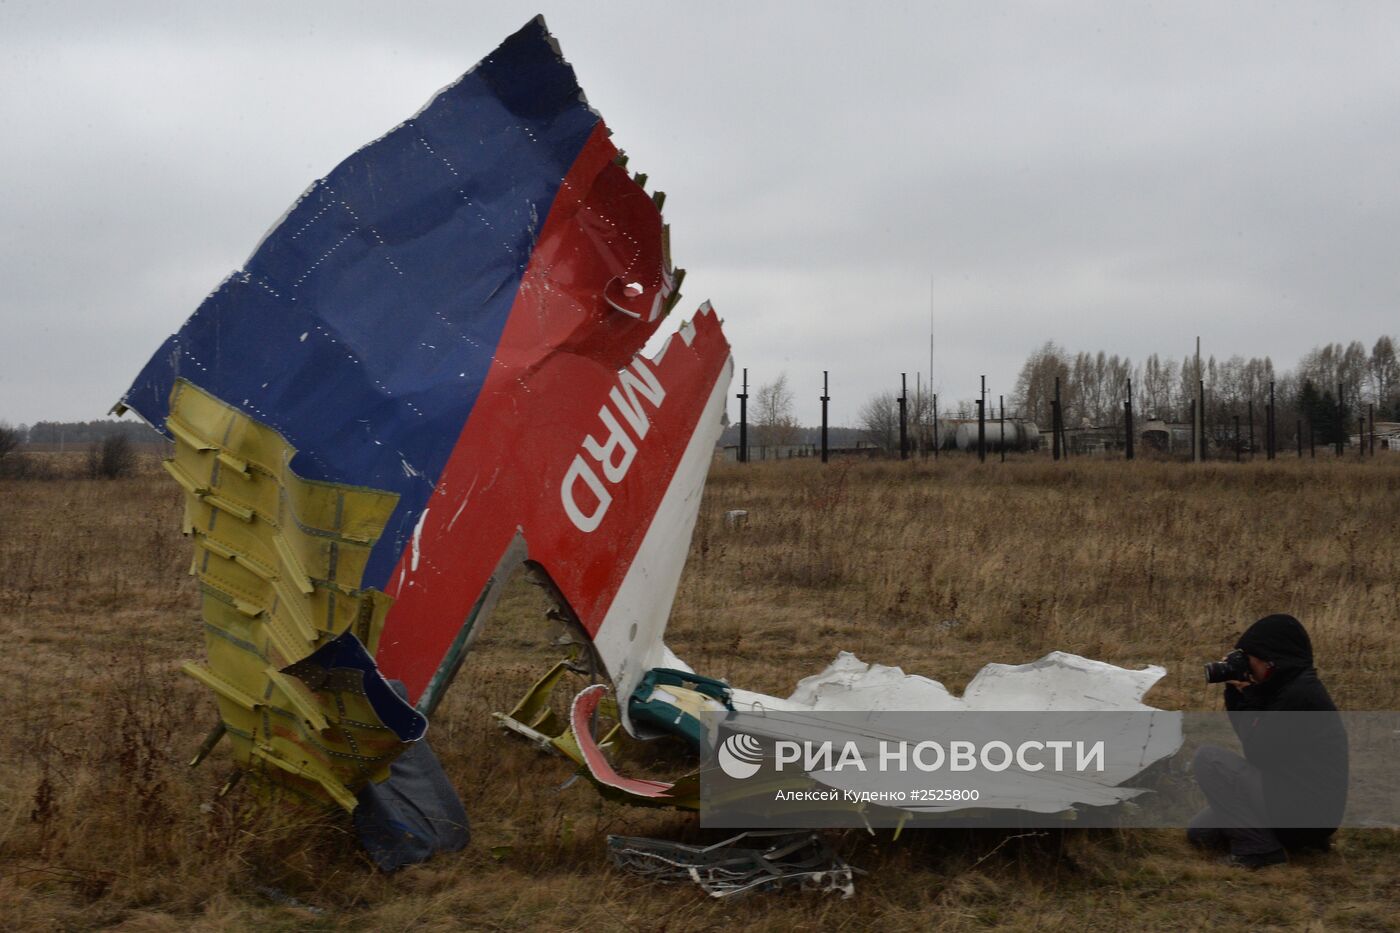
{"type": "Point", "coordinates": [1109, 175]}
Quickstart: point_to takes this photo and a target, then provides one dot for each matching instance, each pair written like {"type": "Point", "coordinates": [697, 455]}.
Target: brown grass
{"type": "Point", "coordinates": [939, 568]}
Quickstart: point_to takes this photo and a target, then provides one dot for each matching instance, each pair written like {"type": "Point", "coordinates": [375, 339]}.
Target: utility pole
{"type": "Point", "coordinates": [743, 398]}
{"type": "Point", "coordinates": [935, 425]}
{"type": "Point", "coordinates": [903, 424]}
{"type": "Point", "coordinates": [931, 393]}
{"type": "Point", "coordinates": [1270, 437]}
{"type": "Point", "coordinates": [1197, 414]}
{"type": "Point", "coordinates": [1201, 394]}
{"type": "Point", "coordinates": [1341, 419]}
{"type": "Point", "coordinates": [1251, 429]}
{"type": "Point", "coordinates": [917, 442]}
{"type": "Point", "coordinates": [1055, 420]}
{"type": "Point", "coordinates": [982, 423]}
{"type": "Point", "coordinates": [1128, 422]}
{"type": "Point", "coordinates": [826, 397]}
{"type": "Point", "coordinates": [1001, 424]}
{"type": "Point", "coordinates": [1195, 438]}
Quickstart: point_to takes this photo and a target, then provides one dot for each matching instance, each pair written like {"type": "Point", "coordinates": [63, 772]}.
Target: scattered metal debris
{"type": "Point", "coordinates": [752, 861]}
{"type": "Point", "coordinates": [282, 898]}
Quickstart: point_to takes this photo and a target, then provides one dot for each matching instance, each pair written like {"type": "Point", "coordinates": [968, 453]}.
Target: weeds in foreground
{"type": "Point", "coordinates": [938, 568]}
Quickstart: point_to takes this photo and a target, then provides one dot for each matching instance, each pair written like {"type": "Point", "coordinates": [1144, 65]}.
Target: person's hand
{"type": "Point", "coordinates": [1239, 684]}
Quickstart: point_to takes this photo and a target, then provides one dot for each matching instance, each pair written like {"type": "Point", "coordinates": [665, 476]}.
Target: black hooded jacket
{"type": "Point", "coordinates": [1302, 758]}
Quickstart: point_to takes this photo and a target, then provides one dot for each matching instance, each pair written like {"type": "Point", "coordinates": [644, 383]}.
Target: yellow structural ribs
{"type": "Point", "coordinates": [280, 560]}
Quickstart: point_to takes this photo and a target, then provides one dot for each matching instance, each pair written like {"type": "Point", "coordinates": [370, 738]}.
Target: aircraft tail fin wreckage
{"type": "Point", "coordinates": [428, 374]}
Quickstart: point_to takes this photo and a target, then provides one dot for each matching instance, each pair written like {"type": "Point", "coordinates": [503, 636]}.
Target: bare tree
{"type": "Point", "coordinates": [1354, 370]}
{"type": "Point", "coordinates": [1385, 372]}
{"type": "Point", "coordinates": [1116, 377]}
{"type": "Point", "coordinates": [1332, 364]}
{"type": "Point", "coordinates": [773, 420]}
{"type": "Point", "coordinates": [1258, 373]}
{"type": "Point", "coordinates": [919, 418]}
{"type": "Point", "coordinates": [111, 458]}
{"type": "Point", "coordinates": [1154, 387]}
{"type": "Point", "coordinates": [9, 439]}
{"type": "Point", "coordinates": [1186, 387]}
{"type": "Point", "coordinates": [1085, 381]}
{"type": "Point", "coordinates": [879, 420]}
{"type": "Point", "coordinates": [1035, 386]}
{"type": "Point", "coordinates": [1227, 383]}
{"type": "Point", "coordinates": [1099, 383]}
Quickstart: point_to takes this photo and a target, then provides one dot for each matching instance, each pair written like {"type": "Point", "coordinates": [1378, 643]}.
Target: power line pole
{"type": "Point", "coordinates": [1197, 419]}
{"type": "Point", "coordinates": [1201, 394]}
{"type": "Point", "coordinates": [825, 398]}
{"type": "Point", "coordinates": [903, 409]}
{"type": "Point", "coordinates": [935, 425]}
{"type": "Point", "coordinates": [743, 398]}
{"type": "Point", "coordinates": [918, 401]}
{"type": "Point", "coordinates": [1271, 426]}
{"type": "Point", "coordinates": [1128, 422]}
{"type": "Point", "coordinates": [1251, 428]}
{"type": "Point", "coordinates": [982, 424]}
{"type": "Point", "coordinates": [1341, 419]}
{"type": "Point", "coordinates": [1001, 424]}
{"type": "Point", "coordinates": [932, 394]}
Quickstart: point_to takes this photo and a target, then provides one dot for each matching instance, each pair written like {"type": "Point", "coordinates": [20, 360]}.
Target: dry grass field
{"type": "Point", "coordinates": [937, 567]}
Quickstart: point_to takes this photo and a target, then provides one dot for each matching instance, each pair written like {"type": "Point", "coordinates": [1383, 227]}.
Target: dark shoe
{"type": "Point", "coordinates": [1255, 862]}
{"type": "Point", "coordinates": [1315, 848]}
{"type": "Point", "coordinates": [1208, 838]}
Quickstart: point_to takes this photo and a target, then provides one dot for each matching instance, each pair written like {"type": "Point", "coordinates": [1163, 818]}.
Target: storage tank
{"type": "Point", "coordinates": [948, 433]}
{"type": "Point", "coordinates": [1016, 435]}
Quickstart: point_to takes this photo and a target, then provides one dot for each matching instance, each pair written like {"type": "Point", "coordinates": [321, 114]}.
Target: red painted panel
{"type": "Point", "coordinates": [550, 391]}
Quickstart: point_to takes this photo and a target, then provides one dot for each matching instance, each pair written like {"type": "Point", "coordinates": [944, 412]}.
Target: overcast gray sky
{"type": "Point", "coordinates": [1109, 175]}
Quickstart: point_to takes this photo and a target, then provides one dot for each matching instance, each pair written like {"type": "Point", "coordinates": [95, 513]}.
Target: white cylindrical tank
{"type": "Point", "coordinates": [948, 434]}
{"type": "Point", "coordinates": [1030, 435]}
{"type": "Point", "coordinates": [1015, 435]}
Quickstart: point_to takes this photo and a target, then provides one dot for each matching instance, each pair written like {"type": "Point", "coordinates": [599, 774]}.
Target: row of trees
{"type": "Point", "coordinates": [1094, 386]}
{"type": "Point", "coordinates": [64, 433]}
{"type": "Point", "coordinates": [112, 457]}
{"type": "Point", "coordinates": [879, 419]}
{"type": "Point", "coordinates": [773, 424]}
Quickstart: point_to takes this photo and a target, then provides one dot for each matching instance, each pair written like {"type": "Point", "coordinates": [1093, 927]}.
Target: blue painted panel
{"type": "Point", "coordinates": [363, 326]}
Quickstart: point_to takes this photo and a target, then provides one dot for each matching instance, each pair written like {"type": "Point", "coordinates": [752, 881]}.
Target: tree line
{"type": "Point", "coordinates": [84, 432]}
{"type": "Point", "coordinates": [1093, 387]}
{"type": "Point", "coordinates": [110, 446]}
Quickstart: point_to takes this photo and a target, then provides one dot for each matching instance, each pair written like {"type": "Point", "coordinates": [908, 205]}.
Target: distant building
{"type": "Point", "coordinates": [1093, 440]}
{"type": "Point", "coordinates": [1387, 435]}
{"type": "Point", "coordinates": [1165, 437]}
{"type": "Point", "coordinates": [730, 452]}
{"type": "Point", "coordinates": [1168, 437]}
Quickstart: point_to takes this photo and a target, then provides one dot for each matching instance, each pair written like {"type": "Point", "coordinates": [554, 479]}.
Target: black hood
{"type": "Point", "coordinates": [1280, 639]}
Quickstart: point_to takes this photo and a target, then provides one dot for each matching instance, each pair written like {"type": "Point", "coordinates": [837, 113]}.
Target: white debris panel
{"type": "Point", "coordinates": [869, 705]}
{"type": "Point", "coordinates": [1058, 681]}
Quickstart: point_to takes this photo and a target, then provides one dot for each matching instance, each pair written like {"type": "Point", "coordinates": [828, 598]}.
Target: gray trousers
{"type": "Point", "coordinates": [1236, 816]}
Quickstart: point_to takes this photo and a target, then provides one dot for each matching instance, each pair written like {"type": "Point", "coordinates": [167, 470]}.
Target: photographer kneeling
{"type": "Point", "coordinates": [1289, 790]}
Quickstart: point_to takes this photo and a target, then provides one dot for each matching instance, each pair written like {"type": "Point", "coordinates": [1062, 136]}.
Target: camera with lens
{"type": "Point", "coordinates": [1234, 667]}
